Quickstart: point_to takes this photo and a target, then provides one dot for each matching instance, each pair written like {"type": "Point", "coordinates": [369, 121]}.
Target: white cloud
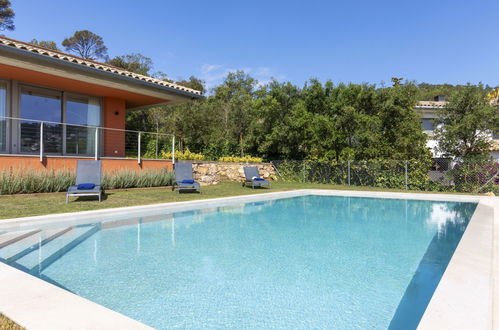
{"type": "Point", "coordinates": [214, 74]}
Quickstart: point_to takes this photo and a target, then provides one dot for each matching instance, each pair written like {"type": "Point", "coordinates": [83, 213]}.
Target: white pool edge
{"type": "Point", "coordinates": [23, 294]}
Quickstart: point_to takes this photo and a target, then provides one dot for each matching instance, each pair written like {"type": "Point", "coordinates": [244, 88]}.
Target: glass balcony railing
{"type": "Point", "coordinates": [45, 138]}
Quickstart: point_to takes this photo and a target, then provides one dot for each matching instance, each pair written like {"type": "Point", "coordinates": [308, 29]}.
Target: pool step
{"type": "Point", "coordinates": [48, 235]}
{"type": "Point", "coordinates": [35, 261]}
{"type": "Point", "coordinates": [23, 242]}
{"type": "Point", "coordinates": [11, 238]}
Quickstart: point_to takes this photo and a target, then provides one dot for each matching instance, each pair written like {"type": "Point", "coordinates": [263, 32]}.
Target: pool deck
{"type": "Point", "coordinates": [464, 298]}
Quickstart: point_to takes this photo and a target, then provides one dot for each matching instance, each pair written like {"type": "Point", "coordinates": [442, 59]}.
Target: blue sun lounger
{"type": "Point", "coordinates": [88, 180]}
{"type": "Point", "coordinates": [252, 176]}
{"type": "Point", "coordinates": [184, 179]}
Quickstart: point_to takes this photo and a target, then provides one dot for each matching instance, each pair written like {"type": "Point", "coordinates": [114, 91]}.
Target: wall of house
{"type": "Point", "coordinates": [23, 163]}
{"type": "Point", "coordinates": [114, 111]}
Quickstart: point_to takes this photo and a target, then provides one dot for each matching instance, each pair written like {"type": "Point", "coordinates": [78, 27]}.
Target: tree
{"type": "Point", "coordinates": [466, 123]}
{"type": "Point", "coordinates": [236, 94]}
{"type": "Point", "coordinates": [134, 62]}
{"type": "Point", "coordinates": [86, 44]}
{"type": "Point", "coordinates": [400, 126]}
{"type": "Point", "coordinates": [194, 83]}
{"type": "Point", "coordinates": [6, 16]}
{"type": "Point", "coordinates": [45, 43]}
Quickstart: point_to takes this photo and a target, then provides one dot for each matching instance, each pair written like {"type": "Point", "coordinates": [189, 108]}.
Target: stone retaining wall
{"type": "Point", "coordinates": [207, 173]}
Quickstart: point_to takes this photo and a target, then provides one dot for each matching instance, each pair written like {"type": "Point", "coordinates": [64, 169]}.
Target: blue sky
{"type": "Point", "coordinates": [439, 41]}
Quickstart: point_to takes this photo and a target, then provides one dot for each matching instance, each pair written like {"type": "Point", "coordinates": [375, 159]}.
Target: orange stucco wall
{"type": "Point", "coordinates": [14, 163]}
{"type": "Point", "coordinates": [114, 117]}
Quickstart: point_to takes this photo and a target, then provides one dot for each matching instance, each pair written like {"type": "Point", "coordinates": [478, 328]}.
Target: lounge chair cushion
{"type": "Point", "coordinates": [86, 186]}
{"type": "Point", "coordinates": [259, 179]}
{"type": "Point", "coordinates": [74, 190]}
{"type": "Point", "coordinates": [188, 181]}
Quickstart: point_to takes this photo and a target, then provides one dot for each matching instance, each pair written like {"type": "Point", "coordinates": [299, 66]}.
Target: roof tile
{"type": "Point", "coordinates": [89, 63]}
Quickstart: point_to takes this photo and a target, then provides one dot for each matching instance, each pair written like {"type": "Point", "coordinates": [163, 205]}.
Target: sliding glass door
{"type": "Point", "coordinates": [84, 111]}
{"type": "Point", "coordinates": [41, 105]}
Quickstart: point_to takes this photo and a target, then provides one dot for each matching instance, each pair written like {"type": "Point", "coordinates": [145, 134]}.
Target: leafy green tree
{"type": "Point", "coordinates": [236, 95]}
{"type": "Point", "coordinates": [268, 133]}
{"type": "Point", "coordinates": [6, 16]}
{"type": "Point", "coordinates": [86, 44]}
{"type": "Point", "coordinates": [45, 43]}
{"type": "Point", "coordinates": [466, 124]}
{"type": "Point", "coordinates": [135, 62]}
{"type": "Point", "coordinates": [400, 127]}
{"type": "Point", "coordinates": [194, 83]}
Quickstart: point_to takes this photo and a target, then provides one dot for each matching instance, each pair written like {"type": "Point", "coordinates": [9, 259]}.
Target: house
{"type": "Point", "coordinates": [56, 108]}
{"type": "Point", "coordinates": [429, 112]}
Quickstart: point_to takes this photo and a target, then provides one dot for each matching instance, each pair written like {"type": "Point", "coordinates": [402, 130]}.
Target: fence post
{"type": "Point", "coordinates": [405, 170]}
{"type": "Point", "coordinates": [173, 149]}
{"type": "Point", "coordinates": [96, 143]}
{"type": "Point", "coordinates": [41, 142]}
{"type": "Point", "coordinates": [303, 170]}
{"type": "Point", "coordinates": [138, 150]}
{"type": "Point", "coordinates": [348, 171]}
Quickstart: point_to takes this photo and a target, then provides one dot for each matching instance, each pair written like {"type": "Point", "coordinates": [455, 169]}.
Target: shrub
{"type": "Point", "coordinates": [186, 155]}
{"type": "Point", "coordinates": [31, 181]}
{"type": "Point", "coordinates": [374, 173]}
{"type": "Point", "coordinates": [135, 179]}
{"type": "Point", "coordinates": [245, 159]}
{"type": "Point", "coordinates": [471, 175]}
{"type": "Point", "coordinates": [27, 182]}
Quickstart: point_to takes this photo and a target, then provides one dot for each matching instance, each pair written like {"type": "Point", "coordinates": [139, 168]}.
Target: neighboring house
{"type": "Point", "coordinates": [429, 111]}
{"type": "Point", "coordinates": [72, 96]}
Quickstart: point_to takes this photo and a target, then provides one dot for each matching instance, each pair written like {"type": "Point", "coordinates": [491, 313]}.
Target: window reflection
{"type": "Point", "coordinates": [81, 111]}
{"type": "Point", "coordinates": [45, 106]}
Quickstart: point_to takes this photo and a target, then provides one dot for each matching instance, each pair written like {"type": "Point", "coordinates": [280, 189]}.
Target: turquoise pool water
{"type": "Point", "coordinates": [303, 262]}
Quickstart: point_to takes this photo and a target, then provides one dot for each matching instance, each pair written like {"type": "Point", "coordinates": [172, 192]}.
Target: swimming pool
{"type": "Point", "coordinates": [302, 262]}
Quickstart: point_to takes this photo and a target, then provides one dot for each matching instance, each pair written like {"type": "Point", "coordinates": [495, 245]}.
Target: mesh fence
{"type": "Point", "coordinates": [438, 175]}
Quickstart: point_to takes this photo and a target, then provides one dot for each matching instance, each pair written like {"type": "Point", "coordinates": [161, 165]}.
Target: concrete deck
{"type": "Point", "coordinates": [464, 299]}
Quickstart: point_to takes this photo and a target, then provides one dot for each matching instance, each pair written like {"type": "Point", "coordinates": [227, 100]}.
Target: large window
{"type": "Point", "coordinates": [43, 105]}
{"type": "Point", "coordinates": [3, 114]}
{"type": "Point", "coordinates": [51, 107]}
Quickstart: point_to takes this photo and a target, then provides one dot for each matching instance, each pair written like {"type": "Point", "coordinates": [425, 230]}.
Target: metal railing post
{"type": "Point", "coordinates": [138, 156]}
{"type": "Point", "coordinates": [157, 145]}
{"type": "Point", "coordinates": [173, 149]}
{"type": "Point", "coordinates": [41, 142]}
{"type": "Point", "coordinates": [405, 170]}
{"type": "Point", "coordinates": [348, 171]}
{"type": "Point", "coordinates": [96, 143]}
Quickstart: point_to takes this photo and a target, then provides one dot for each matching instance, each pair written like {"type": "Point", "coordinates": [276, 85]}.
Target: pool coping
{"type": "Point", "coordinates": [457, 303]}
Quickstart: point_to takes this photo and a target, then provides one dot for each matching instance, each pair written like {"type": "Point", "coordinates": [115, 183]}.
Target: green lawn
{"type": "Point", "coordinates": [13, 206]}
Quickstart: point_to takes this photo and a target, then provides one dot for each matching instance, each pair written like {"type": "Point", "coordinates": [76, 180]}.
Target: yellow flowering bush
{"type": "Point", "coordinates": [186, 155]}
{"type": "Point", "coordinates": [245, 159]}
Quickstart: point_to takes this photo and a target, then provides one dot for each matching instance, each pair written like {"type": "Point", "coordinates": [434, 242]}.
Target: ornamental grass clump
{"type": "Point", "coordinates": [137, 179]}
{"type": "Point", "coordinates": [32, 181]}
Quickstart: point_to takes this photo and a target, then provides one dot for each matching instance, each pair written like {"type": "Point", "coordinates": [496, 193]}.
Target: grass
{"type": "Point", "coordinates": [7, 324]}
{"type": "Point", "coordinates": [14, 206]}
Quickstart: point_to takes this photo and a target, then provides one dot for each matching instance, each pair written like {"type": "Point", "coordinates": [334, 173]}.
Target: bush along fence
{"type": "Point", "coordinates": [470, 177]}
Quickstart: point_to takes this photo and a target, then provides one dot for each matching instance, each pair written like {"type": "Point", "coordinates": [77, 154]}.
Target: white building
{"type": "Point", "coordinates": [428, 111]}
